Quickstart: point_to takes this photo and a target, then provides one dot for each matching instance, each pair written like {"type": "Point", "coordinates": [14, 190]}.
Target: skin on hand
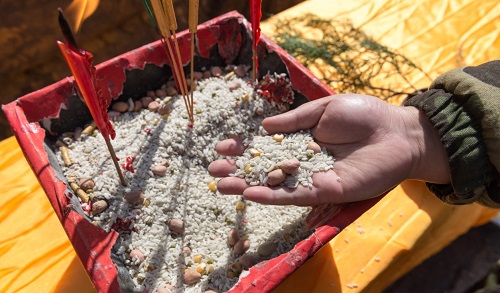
{"type": "Point", "coordinates": [375, 146]}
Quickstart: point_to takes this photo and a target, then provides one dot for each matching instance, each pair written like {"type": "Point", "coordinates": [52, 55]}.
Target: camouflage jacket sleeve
{"type": "Point", "coordinates": [464, 107]}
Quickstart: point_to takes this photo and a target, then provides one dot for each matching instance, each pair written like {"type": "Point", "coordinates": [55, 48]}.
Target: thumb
{"type": "Point", "coordinates": [303, 117]}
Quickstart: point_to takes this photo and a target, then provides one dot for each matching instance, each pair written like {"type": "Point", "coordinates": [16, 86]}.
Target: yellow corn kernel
{"type": "Point", "coordinates": [278, 137]}
{"type": "Point", "coordinates": [212, 186]}
{"type": "Point", "coordinates": [197, 258]}
{"type": "Point", "coordinates": [240, 205]}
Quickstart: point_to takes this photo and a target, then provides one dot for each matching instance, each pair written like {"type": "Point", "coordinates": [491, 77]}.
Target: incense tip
{"type": "Point", "coordinates": [66, 30]}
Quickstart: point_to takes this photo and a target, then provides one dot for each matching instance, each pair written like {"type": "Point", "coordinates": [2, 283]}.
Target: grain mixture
{"type": "Point", "coordinates": [176, 232]}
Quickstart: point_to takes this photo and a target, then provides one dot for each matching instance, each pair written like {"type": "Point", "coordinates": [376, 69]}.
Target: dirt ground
{"type": "Point", "coordinates": [30, 58]}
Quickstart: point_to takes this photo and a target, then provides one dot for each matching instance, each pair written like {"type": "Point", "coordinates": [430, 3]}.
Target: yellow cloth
{"type": "Point", "coordinates": [35, 253]}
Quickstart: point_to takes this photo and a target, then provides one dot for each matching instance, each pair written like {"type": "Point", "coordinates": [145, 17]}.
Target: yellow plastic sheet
{"type": "Point", "coordinates": [35, 253]}
{"type": "Point", "coordinates": [409, 224]}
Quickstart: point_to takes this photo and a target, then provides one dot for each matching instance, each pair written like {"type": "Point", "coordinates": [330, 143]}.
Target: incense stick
{"type": "Point", "coordinates": [164, 14]}
{"type": "Point", "coordinates": [80, 64]}
{"type": "Point", "coordinates": [194, 6]}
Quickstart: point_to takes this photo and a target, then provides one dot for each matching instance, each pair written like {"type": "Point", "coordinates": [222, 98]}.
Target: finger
{"type": "Point", "coordinates": [232, 185]}
{"type": "Point", "coordinates": [222, 168]}
{"type": "Point", "coordinates": [230, 147]}
{"type": "Point", "coordinates": [300, 196]}
{"type": "Point", "coordinates": [304, 117]}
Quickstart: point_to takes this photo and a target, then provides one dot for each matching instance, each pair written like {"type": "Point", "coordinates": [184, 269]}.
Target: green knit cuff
{"type": "Point", "coordinates": [460, 132]}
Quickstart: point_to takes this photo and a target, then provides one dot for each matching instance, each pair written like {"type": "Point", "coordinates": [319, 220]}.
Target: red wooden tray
{"type": "Point", "coordinates": [43, 114]}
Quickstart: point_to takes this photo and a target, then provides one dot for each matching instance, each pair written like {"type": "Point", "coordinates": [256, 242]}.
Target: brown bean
{"type": "Point", "coordinates": [276, 177]}
{"type": "Point", "coordinates": [290, 166]}
{"type": "Point", "coordinates": [191, 277]}
{"type": "Point", "coordinates": [241, 246]}
{"type": "Point", "coordinates": [134, 197]}
{"type": "Point", "coordinates": [176, 225]}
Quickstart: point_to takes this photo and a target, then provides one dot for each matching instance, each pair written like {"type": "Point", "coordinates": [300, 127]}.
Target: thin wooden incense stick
{"type": "Point", "coordinates": [194, 6]}
{"type": "Point", "coordinates": [91, 89]}
{"type": "Point", "coordinates": [164, 15]}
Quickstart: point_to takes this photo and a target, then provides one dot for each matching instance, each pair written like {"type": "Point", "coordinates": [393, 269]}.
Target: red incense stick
{"type": "Point", "coordinates": [91, 89]}
{"type": "Point", "coordinates": [255, 16]}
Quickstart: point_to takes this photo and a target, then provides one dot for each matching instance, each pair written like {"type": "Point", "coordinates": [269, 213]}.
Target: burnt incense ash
{"type": "Point", "coordinates": [175, 231]}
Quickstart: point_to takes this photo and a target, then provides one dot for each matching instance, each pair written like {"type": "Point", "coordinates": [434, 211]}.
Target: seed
{"type": "Point", "coordinates": [207, 74]}
{"type": "Point", "coordinates": [171, 91]}
{"type": "Point", "coordinates": [164, 109]}
{"type": "Point", "coordinates": [153, 106]}
{"type": "Point", "coordinates": [120, 107]}
{"type": "Point", "coordinates": [159, 170]}
{"type": "Point", "coordinates": [186, 250]}
{"type": "Point", "coordinates": [246, 261]}
{"type": "Point", "coordinates": [290, 166]}
{"type": "Point", "coordinates": [134, 197]}
{"type": "Point", "coordinates": [165, 163]}
{"type": "Point", "coordinates": [78, 133]}
{"type": "Point", "coordinates": [254, 152]}
{"type": "Point", "coordinates": [176, 225]}
{"type": "Point", "coordinates": [248, 168]}
{"type": "Point", "coordinates": [197, 258]}
{"type": "Point", "coordinates": [240, 71]}
{"type": "Point", "coordinates": [278, 137]}
{"type": "Point", "coordinates": [240, 205]}
{"type": "Point", "coordinates": [236, 267]}
{"type": "Point", "coordinates": [201, 268]}
{"type": "Point", "coordinates": [231, 275]}
{"type": "Point", "coordinates": [99, 206]}
{"type": "Point", "coordinates": [233, 236]}
{"type": "Point", "coordinates": [209, 268]}
{"type": "Point", "coordinates": [216, 71]}
{"type": "Point", "coordinates": [197, 75]}
{"type": "Point", "coordinates": [276, 177]}
{"type": "Point", "coordinates": [314, 147]}
{"type": "Point", "coordinates": [241, 246]}
{"type": "Point", "coordinates": [137, 255]}
{"type": "Point", "coordinates": [137, 106]}
{"type": "Point", "coordinates": [167, 288]}
{"type": "Point", "coordinates": [212, 186]}
{"type": "Point", "coordinates": [191, 277]}
{"type": "Point", "coordinates": [146, 100]}
{"type": "Point", "coordinates": [160, 93]}
{"type": "Point", "coordinates": [131, 105]}
{"type": "Point", "coordinates": [234, 85]}
{"type": "Point", "coordinates": [86, 184]}
{"type": "Point", "coordinates": [245, 97]}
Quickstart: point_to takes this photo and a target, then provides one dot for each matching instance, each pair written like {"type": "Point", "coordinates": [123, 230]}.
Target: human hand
{"type": "Point", "coordinates": [375, 146]}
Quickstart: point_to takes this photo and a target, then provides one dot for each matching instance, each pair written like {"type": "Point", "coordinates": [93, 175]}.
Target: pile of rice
{"type": "Point", "coordinates": [183, 193]}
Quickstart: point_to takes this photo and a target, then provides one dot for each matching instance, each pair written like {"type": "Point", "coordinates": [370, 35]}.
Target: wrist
{"type": "Point", "coordinates": [429, 157]}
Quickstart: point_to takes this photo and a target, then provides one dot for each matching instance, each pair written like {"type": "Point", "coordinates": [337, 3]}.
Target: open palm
{"type": "Point", "coordinates": [375, 146]}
